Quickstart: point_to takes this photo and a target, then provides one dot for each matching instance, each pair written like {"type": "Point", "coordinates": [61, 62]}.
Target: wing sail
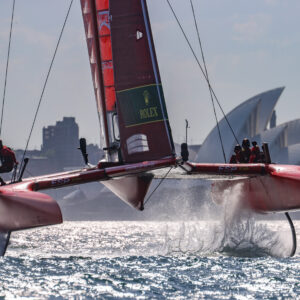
{"type": "Point", "coordinates": [144, 127]}
{"type": "Point", "coordinates": [127, 82]}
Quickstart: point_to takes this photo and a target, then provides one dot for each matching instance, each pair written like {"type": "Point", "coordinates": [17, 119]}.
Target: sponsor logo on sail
{"type": "Point", "coordinates": [139, 35]}
{"type": "Point", "coordinates": [141, 105]}
{"type": "Point", "coordinates": [103, 20]}
{"type": "Point", "coordinates": [146, 95]}
{"type": "Point", "coordinates": [107, 65]}
{"type": "Point", "coordinates": [137, 143]}
{"type": "Point", "coordinates": [148, 112]}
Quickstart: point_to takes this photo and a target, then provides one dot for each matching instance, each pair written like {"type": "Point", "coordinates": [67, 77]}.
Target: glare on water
{"type": "Point", "coordinates": [151, 260]}
{"type": "Point", "coordinates": [225, 253]}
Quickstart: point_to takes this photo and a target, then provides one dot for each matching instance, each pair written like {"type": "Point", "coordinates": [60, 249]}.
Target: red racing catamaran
{"type": "Point", "coordinates": [135, 131]}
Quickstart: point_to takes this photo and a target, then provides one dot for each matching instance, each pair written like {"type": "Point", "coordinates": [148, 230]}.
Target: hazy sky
{"type": "Point", "coordinates": [250, 47]}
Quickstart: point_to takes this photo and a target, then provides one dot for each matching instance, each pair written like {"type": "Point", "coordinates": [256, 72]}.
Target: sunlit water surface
{"type": "Point", "coordinates": [157, 260]}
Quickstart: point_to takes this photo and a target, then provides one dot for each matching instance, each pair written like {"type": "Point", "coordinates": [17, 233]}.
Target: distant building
{"type": "Point", "coordinates": [60, 142]}
{"type": "Point", "coordinates": [273, 120]}
{"type": "Point", "coordinates": [59, 150]}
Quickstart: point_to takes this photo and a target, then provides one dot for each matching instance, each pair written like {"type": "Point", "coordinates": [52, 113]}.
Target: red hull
{"type": "Point", "coordinates": [22, 207]}
{"type": "Point", "coordinates": [26, 209]}
{"type": "Point", "coordinates": [267, 188]}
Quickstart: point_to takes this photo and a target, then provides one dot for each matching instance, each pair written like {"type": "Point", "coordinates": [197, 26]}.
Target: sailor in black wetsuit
{"type": "Point", "coordinates": [246, 151]}
{"type": "Point", "coordinates": [255, 156]}
{"type": "Point", "coordinates": [237, 157]}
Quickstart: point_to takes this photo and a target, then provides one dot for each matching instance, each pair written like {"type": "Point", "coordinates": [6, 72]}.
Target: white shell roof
{"type": "Point", "coordinates": [284, 141]}
{"type": "Point", "coordinates": [248, 119]}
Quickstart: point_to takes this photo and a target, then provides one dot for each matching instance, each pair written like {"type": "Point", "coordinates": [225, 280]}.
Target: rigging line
{"type": "Point", "coordinates": [161, 181]}
{"type": "Point", "coordinates": [29, 173]}
{"type": "Point", "coordinates": [7, 62]}
{"type": "Point", "coordinates": [45, 83]}
{"type": "Point", "coordinates": [208, 81]}
{"type": "Point", "coordinates": [197, 60]}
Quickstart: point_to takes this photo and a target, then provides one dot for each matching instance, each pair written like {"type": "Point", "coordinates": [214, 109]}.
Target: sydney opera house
{"type": "Point", "coordinates": [255, 119]}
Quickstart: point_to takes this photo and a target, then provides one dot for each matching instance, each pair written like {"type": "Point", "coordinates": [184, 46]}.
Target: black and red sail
{"type": "Point", "coordinates": [126, 79]}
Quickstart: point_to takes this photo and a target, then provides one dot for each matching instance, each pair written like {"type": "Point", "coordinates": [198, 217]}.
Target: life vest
{"type": "Point", "coordinates": [236, 158]}
{"type": "Point", "coordinates": [7, 157]}
{"type": "Point", "coordinates": [255, 155]}
{"type": "Point", "coordinates": [233, 159]}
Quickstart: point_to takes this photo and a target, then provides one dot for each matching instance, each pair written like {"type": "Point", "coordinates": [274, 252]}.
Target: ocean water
{"type": "Point", "coordinates": [241, 259]}
{"type": "Point", "coordinates": [217, 251]}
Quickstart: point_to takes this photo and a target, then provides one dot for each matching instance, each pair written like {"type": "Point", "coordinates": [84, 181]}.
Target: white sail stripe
{"type": "Point", "coordinates": [138, 149]}
{"type": "Point", "coordinates": [137, 144]}
{"type": "Point", "coordinates": [135, 137]}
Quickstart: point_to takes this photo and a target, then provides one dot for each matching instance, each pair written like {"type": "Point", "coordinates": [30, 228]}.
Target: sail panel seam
{"type": "Point", "coordinates": [138, 87]}
{"type": "Point", "coordinates": [140, 124]}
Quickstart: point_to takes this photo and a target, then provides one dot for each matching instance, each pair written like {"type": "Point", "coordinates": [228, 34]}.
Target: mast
{"type": "Point", "coordinates": [95, 17]}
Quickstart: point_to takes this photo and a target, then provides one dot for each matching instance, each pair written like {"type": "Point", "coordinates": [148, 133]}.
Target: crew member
{"type": "Point", "coordinates": [246, 152]}
{"type": "Point", "coordinates": [255, 156]}
{"type": "Point", "coordinates": [8, 160]}
{"type": "Point", "coordinates": [237, 157]}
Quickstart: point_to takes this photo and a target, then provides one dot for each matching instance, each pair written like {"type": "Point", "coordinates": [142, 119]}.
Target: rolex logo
{"type": "Point", "coordinates": [146, 95]}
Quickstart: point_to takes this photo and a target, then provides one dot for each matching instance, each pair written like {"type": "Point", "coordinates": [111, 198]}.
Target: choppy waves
{"type": "Point", "coordinates": [152, 260]}
{"type": "Point", "coordinates": [229, 254]}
